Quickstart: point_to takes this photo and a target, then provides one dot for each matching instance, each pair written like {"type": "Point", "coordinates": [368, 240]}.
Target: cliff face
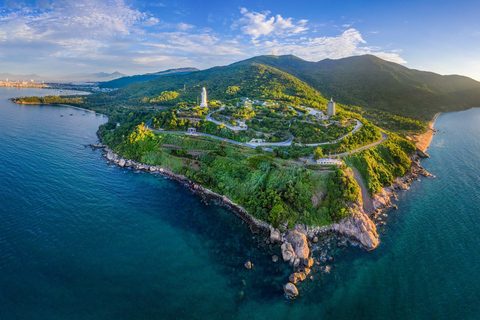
{"type": "Point", "coordinates": [358, 226]}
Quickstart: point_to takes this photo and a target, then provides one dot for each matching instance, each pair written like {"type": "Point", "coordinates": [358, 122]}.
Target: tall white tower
{"type": "Point", "coordinates": [204, 98]}
{"type": "Point", "coordinates": [331, 108]}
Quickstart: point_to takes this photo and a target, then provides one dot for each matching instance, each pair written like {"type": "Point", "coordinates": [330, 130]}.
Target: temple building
{"type": "Point", "coordinates": [331, 108]}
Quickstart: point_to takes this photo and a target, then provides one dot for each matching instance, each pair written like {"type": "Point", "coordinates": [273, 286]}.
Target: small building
{"type": "Point", "coordinates": [329, 162]}
{"type": "Point", "coordinates": [331, 108]}
{"type": "Point", "coordinates": [192, 130]}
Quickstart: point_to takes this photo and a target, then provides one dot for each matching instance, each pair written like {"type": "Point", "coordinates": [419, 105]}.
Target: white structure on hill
{"type": "Point", "coordinates": [204, 98]}
{"type": "Point", "coordinates": [329, 162]}
{"type": "Point", "coordinates": [331, 108]}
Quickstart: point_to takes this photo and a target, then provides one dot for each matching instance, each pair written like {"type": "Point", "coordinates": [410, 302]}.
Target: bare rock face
{"type": "Point", "coordinates": [274, 235]}
{"type": "Point", "coordinates": [381, 200]}
{"type": "Point", "coordinates": [290, 290]}
{"type": "Point", "coordinates": [360, 227]}
{"type": "Point", "coordinates": [288, 254]}
{"type": "Point", "coordinates": [299, 243]}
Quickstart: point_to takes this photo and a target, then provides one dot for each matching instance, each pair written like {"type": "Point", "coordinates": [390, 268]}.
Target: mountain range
{"type": "Point", "coordinates": [373, 84]}
{"type": "Point", "coordinates": [125, 81]}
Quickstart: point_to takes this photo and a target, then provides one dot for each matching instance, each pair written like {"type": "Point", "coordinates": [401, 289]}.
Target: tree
{"type": "Point", "coordinates": [318, 153]}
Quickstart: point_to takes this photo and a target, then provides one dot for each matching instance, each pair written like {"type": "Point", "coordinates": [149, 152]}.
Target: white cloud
{"type": "Point", "coordinates": [349, 43]}
{"type": "Point", "coordinates": [258, 24]}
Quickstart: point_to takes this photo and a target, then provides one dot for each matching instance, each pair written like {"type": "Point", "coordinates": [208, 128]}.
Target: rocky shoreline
{"type": "Point", "coordinates": [295, 244]}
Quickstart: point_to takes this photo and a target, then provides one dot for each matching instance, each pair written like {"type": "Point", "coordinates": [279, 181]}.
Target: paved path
{"type": "Point", "coordinates": [384, 137]}
{"type": "Point", "coordinates": [266, 144]}
{"type": "Point", "coordinates": [229, 126]}
{"type": "Point", "coordinates": [357, 127]}
{"type": "Point", "coordinates": [367, 200]}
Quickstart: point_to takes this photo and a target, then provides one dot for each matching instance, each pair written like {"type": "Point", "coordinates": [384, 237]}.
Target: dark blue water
{"type": "Point", "coordinates": [82, 240]}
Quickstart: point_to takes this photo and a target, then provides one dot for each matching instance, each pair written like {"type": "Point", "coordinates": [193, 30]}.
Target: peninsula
{"type": "Point", "coordinates": [270, 146]}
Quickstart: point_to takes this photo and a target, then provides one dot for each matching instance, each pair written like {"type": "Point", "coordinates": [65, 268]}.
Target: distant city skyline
{"type": "Point", "coordinates": [57, 38]}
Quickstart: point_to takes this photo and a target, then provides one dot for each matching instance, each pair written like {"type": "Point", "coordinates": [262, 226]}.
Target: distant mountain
{"type": "Point", "coordinates": [18, 77]}
{"type": "Point", "coordinates": [91, 77]}
{"type": "Point", "coordinates": [372, 83]}
{"type": "Point", "coordinates": [125, 81]}
{"type": "Point", "coordinates": [365, 81]}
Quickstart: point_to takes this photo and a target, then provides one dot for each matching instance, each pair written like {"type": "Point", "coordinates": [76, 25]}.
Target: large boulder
{"type": "Point", "coordinates": [121, 162]}
{"type": "Point", "coordinates": [290, 290]}
{"type": "Point", "coordinates": [299, 243]}
{"type": "Point", "coordinates": [360, 227]}
{"type": "Point", "coordinates": [297, 277]}
{"type": "Point", "coordinates": [274, 235]}
{"type": "Point", "coordinates": [288, 253]}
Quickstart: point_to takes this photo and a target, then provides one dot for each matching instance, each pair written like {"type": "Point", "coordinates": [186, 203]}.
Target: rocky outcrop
{"type": "Point", "coordinates": [382, 199]}
{"type": "Point", "coordinates": [299, 243]}
{"type": "Point", "coordinates": [422, 154]}
{"type": "Point", "coordinates": [290, 290]}
{"type": "Point", "coordinates": [288, 254]}
{"type": "Point", "coordinates": [359, 227]}
{"type": "Point", "coordinates": [297, 277]}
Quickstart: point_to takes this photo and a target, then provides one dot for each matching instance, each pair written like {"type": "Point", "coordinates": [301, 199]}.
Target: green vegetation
{"type": "Point", "coordinates": [378, 85]}
{"type": "Point", "coordinates": [125, 81]}
{"type": "Point", "coordinates": [272, 186]}
{"type": "Point", "coordinates": [51, 100]}
{"type": "Point", "coordinates": [380, 165]}
{"type": "Point", "coordinates": [268, 187]}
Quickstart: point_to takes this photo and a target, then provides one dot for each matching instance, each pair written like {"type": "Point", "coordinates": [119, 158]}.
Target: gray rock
{"type": "Point", "coordinates": [290, 290]}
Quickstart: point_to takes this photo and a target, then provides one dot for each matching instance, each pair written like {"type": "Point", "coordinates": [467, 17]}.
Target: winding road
{"type": "Point", "coordinates": [285, 143]}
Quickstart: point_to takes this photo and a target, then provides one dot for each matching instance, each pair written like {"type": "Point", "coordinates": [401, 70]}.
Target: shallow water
{"type": "Point", "coordinates": [80, 239]}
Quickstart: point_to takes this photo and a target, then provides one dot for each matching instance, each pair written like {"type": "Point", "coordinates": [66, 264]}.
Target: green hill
{"type": "Point", "coordinates": [372, 83]}
{"type": "Point", "coordinates": [228, 83]}
{"type": "Point", "coordinates": [125, 81]}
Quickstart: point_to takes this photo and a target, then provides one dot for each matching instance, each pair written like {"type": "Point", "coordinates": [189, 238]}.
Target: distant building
{"type": "Point", "coordinates": [329, 162]}
{"type": "Point", "coordinates": [317, 114]}
{"type": "Point", "coordinates": [331, 108]}
{"type": "Point", "coordinates": [191, 130]}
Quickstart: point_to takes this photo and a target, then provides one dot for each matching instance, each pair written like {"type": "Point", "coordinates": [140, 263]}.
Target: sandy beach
{"type": "Point", "coordinates": [422, 141]}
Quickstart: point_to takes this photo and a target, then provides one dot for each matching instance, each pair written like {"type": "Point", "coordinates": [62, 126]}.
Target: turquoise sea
{"type": "Point", "coordinates": [83, 240]}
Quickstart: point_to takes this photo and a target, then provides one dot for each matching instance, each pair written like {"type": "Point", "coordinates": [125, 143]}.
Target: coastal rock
{"type": "Point", "coordinates": [359, 227]}
{"type": "Point", "coordinates": [111, 156]}
{"type": "Point", "coordinates": [308, 262]}
{"type": "Point", "coordinates": [274, 235]}
{"type": "Point", "coordinates": [297, 277]}
{"type": "Point", "coordinates": [121, 163]}
{"type": "Point", "coordinates": [288, 254]}
{"type": "Point", "coordinates": [422, 154]}
{"type": "Point", "coordinates": [299, 243]}
{"type": "Point", "coordinates": [296, 263]}
{"type": "Point", "coordinates": [290, 290]}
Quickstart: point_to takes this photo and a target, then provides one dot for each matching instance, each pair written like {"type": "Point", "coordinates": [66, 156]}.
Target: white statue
{"type": "Point", "coordinates": [204, 98]}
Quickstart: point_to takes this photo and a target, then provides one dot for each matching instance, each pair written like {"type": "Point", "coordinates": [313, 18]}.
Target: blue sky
{"type": "Point", "coordinates": [55, 37]}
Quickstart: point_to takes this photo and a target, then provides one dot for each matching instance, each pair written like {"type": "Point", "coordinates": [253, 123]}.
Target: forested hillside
{"type": "Point", "coordinates": [375, 84]}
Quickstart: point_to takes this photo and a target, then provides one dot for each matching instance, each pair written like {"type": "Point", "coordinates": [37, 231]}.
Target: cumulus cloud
{"type": "Point", "coordinates": [349, 43]}
{"type": "Point", "coordinates": [258, 24]}
{"type": "Point", "coordinates": [111, 35]}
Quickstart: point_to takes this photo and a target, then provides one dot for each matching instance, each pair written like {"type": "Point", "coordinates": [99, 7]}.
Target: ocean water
{"type": "Point", "coordinates": [83, 240]}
